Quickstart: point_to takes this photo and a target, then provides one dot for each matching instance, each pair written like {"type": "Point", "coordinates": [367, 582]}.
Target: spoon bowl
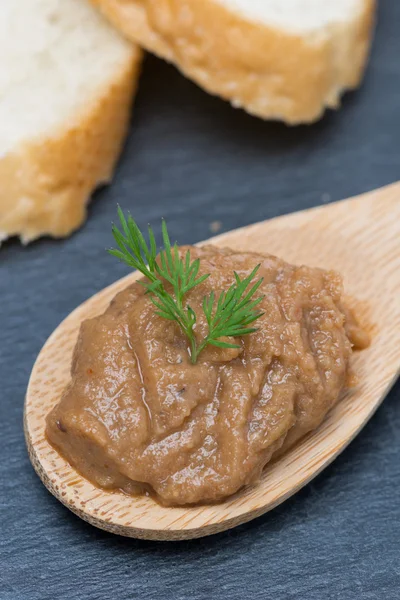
{"type": "Point", "coordinates": [360, 238]}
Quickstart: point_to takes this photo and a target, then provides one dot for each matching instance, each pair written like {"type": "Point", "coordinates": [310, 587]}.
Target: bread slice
{"type": "Point", "coordinates": [67, 80]}
{"type": "Point", "coordinates": [278, 59]}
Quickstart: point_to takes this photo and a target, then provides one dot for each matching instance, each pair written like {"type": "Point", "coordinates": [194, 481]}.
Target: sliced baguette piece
{"type": "Point", "coordinates": [278, 59]}
{"type": "Point", "coordinates": [67, 80]}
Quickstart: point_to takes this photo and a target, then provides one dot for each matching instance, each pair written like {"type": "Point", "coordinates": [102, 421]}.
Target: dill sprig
{"type": "Point", "coordinates": [228, 316]}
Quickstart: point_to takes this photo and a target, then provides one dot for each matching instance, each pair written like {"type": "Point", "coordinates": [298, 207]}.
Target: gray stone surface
{"type": "Point", "coordinates": [194, 160]}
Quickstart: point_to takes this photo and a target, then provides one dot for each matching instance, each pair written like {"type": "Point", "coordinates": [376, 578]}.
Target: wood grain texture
{"type": "Point", "coordinates": [358, 237]}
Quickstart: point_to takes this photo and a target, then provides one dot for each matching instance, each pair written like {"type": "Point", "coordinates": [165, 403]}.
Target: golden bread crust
{"type": "Point", "coordinates": [269, 72]}
{"type": "Point", "coordinates": [46, 183]}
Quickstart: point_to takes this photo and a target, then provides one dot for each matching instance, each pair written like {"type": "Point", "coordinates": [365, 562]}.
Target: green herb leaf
{"type": "Point", "coordinates": [229, 316]}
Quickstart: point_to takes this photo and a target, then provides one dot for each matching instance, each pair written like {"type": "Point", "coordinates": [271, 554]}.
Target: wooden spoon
{"type": "Point", "coordinates": [358, 237]}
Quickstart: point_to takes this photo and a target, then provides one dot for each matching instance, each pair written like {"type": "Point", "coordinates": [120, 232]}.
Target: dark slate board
{"type": "Point", "coordinates": [195, 160]}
